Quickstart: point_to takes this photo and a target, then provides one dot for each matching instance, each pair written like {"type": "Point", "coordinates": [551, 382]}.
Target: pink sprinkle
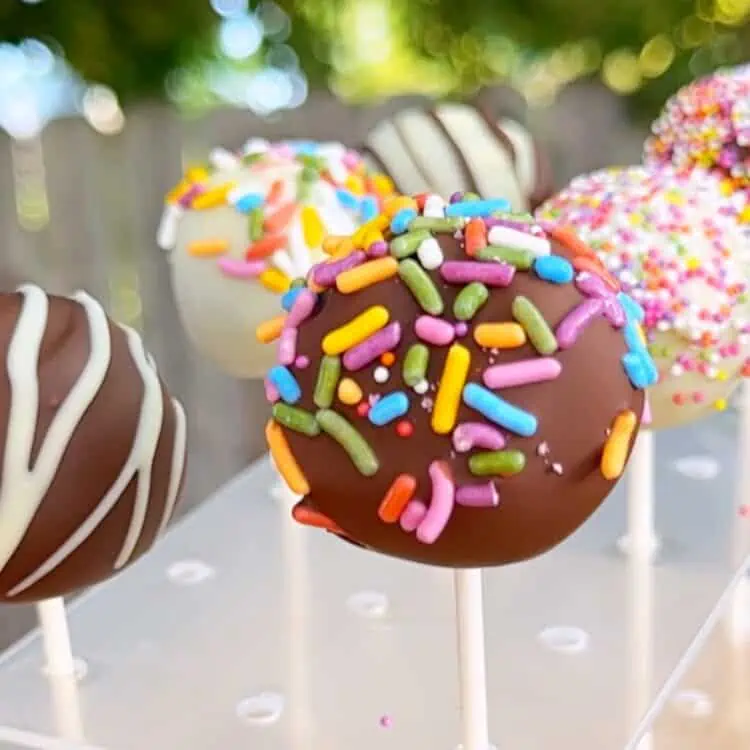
{"type": "Point", "coordinates": [287, 351]}
{"type": "Point", "coordinates": [302, 308]}
{"type": "Point", "coordinates": [434, 330]}
{"type": "Point", "coordinates": [272, 393]}
{"type": "Point", "coordinates": [241, 269]}
{"type": "Point", "coordinates": [576, 320]}
{"type": "Point", "coordinates": [190, 194]}
{"type": "Point", "coordinates": [470, 435]}
{"type": "Point", "coordinates": [461, 329]}
{"type": "Point", "coordinates": [302, 362]}
{"type": "Point", "coordinates": [412, 516]}
{"type": "Point", "coordinates": [614, 312]}
{"type": "Point", "coordinates": [592, 285]}
{"type": "Point", "coordinates": [350, 160]}
{"type": "Point", "coordinates": [646, 416]}
{"type": "Point", "coordinates": [478, 495]}
{"type": "Point", "coordinates": [523, 372]}
{"type": "Point", "coordinates": [386, 722]}
{"type": "Point", "coordinates": [377, 249]}
{"type": "Point", "coordinates": [441, 504]}
{"type": "Point", "coordinates": [466, 271]}
{"type": "Point", "coordinates": [324, 274]}
{"type": "Point", "coordinates": [371, 348]}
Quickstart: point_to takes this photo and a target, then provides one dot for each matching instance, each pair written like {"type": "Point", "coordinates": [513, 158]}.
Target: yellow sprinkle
{"type": "Point", "coordinates": [499, 335]}
{"type": "Point", "coordinates": [275, 281]}
{"type": "Point", "coordinates": [382, 184]}
{"type": "Point", "coordinates": [360, 277]}
{"type": "Point", "coordinates": [398, 202]}
{"type": "Point", "coordinates": [452, 381]}
{"type": "Point", "coordinates": [312, 227]}
{"type": "Point", "coordinates": [374, 235]}
{"type": "Point", "coordinates": [213, 198]}
{"type": "Point", "coordinates": [641, 334]}
{"type": "Point", "coordinates": [196, 173]}
{"type": "Point", "coordinates": [722, 375]}
{"type": "Point", "coordinates": [332, 243]}
{"type": "Point", "coordinates": [720, 404]}
{"type": "Point", "coordinates": [744, 216]}
{"type": "Point", "coordinates": [177, 192]}
{"type": "Point", "coordinates": [349, 392]}
{"type": "Point", "coordinates": [346, 246]}
{"type": "Point", "coordinates": [378, 224]}
{"type": "Point", "coordinates": [356, 330]}
{"type": "Point", "coordinates": [692, 263]}
{"type": "Point", "coordinates": [284, 459]}
{"type": "Point", "coordinates": [207, 248]}
{"type": "Point", "coordinates": [355, 184]}
{"type": "Point", "coordinates": [270, 330]}
{"type": "Point", "coordinates": [615, 453]}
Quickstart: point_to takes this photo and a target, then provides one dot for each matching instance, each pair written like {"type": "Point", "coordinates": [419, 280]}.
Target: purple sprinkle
{"type": "Point", "coordinates": [478, 495]}
{"type": "Point", "coordinates": [456, 197]}
{"type": "Point", "coordinates": [377, 249]}
{"type": "Point", "coordinates": [287, 351]}
{"type": "Point", "coordinates": [461, 329]}
{"type": "Point", "coordinates": [302, 309]}
{"type": "Point", "coordinates": [464, 272]}
{"type": "Point", "coordinates": [576, 320]}
{"type": "Point", "coordinates": [614, 312]}
{"type": "Point", "coordinates": [592, 285]}
{"type": "Point", "coordinates": [371, 348]}
{"type": "Point", "coordinates": [324, 274]}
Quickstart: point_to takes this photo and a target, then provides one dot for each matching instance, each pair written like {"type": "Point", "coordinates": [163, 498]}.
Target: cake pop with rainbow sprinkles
{"type": "Point", "coordinates": [243, 227]}
{"type": "Point", "coordinates": [463, 392]}
{"type": "Point", "coordinates": [672, 242]}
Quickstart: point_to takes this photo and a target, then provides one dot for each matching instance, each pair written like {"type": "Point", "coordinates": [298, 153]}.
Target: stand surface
{"type": "Point", "coordinates": [242, 630]}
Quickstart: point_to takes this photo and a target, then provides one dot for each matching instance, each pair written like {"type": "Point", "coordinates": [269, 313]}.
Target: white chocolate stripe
{"type": "Point", "coordinates": [523, 145]}
{"type": "Point", "coordinates": [22, 487]}
{"type": "Point", "coordinates": [178, 465]}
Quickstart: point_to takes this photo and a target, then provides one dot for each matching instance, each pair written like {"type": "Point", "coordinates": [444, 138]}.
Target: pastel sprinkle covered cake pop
{"type": "Point", "coordinates": [240, 229]}
{"type": "Point", "coordinates": [92, 446]}
{"type": "Point", "coordinates": [673, 244]}
{"type": "Point", "coordinates": [464, 392]}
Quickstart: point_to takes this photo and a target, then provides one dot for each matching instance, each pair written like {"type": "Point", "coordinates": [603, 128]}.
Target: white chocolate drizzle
{"type": "Point", "coordinates": [23, 487]}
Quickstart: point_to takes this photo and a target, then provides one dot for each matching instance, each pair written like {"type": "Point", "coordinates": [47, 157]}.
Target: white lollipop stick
{"type": "Point", "coordinates": [472, 678]}
{"type": "Point", "coordinates": [58, 652]}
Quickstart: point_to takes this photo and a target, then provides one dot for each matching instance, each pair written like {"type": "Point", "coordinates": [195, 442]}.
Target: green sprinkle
{"type": "Point", "coordinates": [249, 159]}
{"type": "Point", "coordinates": [520, 259]}
{"type": "Point", "coordinates": [407, 244]}
{"type": "Point", "coordinates": [469, 196]}
{"type": "Point", "coordinates": [537, 330]}
{"type": "Point", "coordinates": [415, 364]}
{"type": "Point", "coordinates": [421, 286]}
{"type": "Point", "coordinates": [347, 436]}
{"type": "Point", "coordinates": [296, 419]}
{"type": "Point", "coordinates": [469, 300]}
{"type": "Point", "coordinates": [494, 463]}
{"type": "Point", "coordinates": [328, 378]}
{"type": "Point", "coordinates": [436, 224]}
{"type": "Point", "coordinates": [256, 218]}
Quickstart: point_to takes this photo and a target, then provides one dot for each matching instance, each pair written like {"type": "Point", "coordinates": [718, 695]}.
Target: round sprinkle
{"type": "Point", "coordinates": [404, 429]}
{"type": "Point", "coordinates": [381, 374]}
{"type": "Point", "coordinates": [421, 387]}
{"type": "Point", "coordinates": [302, 362]}
{"type": "Point", "coordinates": [349, 392]}
{"type": "Point", "coordinates": [387, 359]}
{"type": "Point", "coordinates": [363, 408]}
{"type": "Point", "coordinates": [461, 329]}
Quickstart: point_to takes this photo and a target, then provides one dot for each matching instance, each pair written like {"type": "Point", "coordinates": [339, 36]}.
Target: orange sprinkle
{"type": "Point", "coordinates": [265, 246]}
{"type": "Point", "coordinates": [207, 248]}
{"type": "Point", "coordinates": [270, 330]}
{"type": "Point", "coordinates": [305, 515]}
{"type": "Point", "coordinates": [615, 453]}
{"type": "Point", "coordinates": [421, 199]}
{"type": "Point", "coordinates": [275, 191]}
{"type": "Point", "coordinates": [595, 267]}
{"type": "Point", "coordinates": [387, 359]}
{"type": "Point", "coordinates": [278, 221]}
{"type": "Point", "coordinates": [475, 236]}
{"type": "Point", "coordinates": [345, 247]}
{"type": "Point", "coordinates": [570, 240]}
{"type": "Point", "coordinates": [331, 243]}
{"type": "Point", "coordinates": [499, 335]}
{"type": "Point", "coordinates": [396, 203]}
{"type": "Point", "coordinates": [285, 461]}
{"type": "Point", "coordinates": [397, 497]}
{"type": "Point", "coordinates": [366, 275]}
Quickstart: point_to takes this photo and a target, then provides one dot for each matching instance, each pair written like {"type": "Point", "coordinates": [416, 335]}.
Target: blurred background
{"type": "Point", "coordinates": [104, 102]}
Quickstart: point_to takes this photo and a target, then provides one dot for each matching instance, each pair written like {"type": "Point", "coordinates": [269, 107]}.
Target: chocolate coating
{"type": "Point", "coordinates": [562, 483]}
{"type": "Point", "coordinates": [129, 429]}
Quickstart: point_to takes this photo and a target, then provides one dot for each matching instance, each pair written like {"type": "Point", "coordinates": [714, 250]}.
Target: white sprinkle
{"type": "Point", "coordinates": [676, 370]}
{"type": "Point", "coordinates": [430, 255]}
{"type": "Point", "coordinates": [255, 146]}
{"type": "Point", "coordinates": [542, 449]}
{"type": "Point", "coordinates": [557, 469]}
{"type": "Point", "coordinates": [421, 387]}
{"type": "Point", "coordinates": [220, 158]}
{"type": "Point", "coordinates": [434, 207]}
{"type": "Point", "coordinates": [381, 374]}
{"type": "Point", "coordinates": [166, 235]}
{"type": "Point", "coordinates": [509, 237]}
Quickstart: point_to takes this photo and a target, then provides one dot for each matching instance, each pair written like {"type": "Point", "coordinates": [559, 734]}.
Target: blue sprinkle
{"type": "Point", "coordinates": [400, 222]}
{"type": "Point", "coordinates": [499, 411]}
{"type": "Point", "coordinates": [554, 269]}
{"type": "Point", "coordinates": [305, 148]}
{"type": "Point", "coordinates": [285, 383]}
{"type": "Point", "coordinates": [640, 369]}
{"type": "Point", "coordinates": [288, 299]}
{"type": "Point", "coordinates": [388, 408]}
{"type": "Point", "coordinates": [477, 208]}
{"type": "Point", "coordinates": [248, 202]}
{"type": "Point", "coordinates": [347, 199]}
{"type": "Point", "coordinates": [633, 337]}
{"type": "Point", "coordinates": [631, 307]}
{"type": "Point", "coordinates": [368, 208]}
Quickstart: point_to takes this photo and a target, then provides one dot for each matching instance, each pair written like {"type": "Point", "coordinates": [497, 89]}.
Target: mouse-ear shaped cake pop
{"type": "Point", "coordinates": [461, 146]}
{"type": "Point", "coordinates": [672, 241]}
{"type": "Point", "coordinates": [241, 228]}
{"type": "Point", "coordinates": [463, 392]}
{"type": "Point", "coordinates": [92, 448]}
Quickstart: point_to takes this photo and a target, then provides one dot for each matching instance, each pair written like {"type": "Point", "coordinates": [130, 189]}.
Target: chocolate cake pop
{"type": "Point", "coordinates": [461, 146]}
{"type": "Point", "coordinates": [464, 393]}
{"type": "Point", "coordinates": [243, 227]}
{"type": "Point", "coordinates": [672, 242]}
{"type": "Point", "coordinates": [93, 448]}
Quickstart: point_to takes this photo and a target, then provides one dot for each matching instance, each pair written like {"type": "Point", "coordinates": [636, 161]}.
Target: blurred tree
{"type": "Point", "coordinates": [129, 45]}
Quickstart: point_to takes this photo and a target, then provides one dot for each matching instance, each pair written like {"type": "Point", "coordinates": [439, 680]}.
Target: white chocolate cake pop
{"type": "Point", "coordinates": [673, 243]}
{"type": "Point", "coordinates": [243, 228]}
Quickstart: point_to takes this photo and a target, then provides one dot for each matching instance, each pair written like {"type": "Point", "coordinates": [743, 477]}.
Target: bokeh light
{"type": "Point", "coordinates": [621, 71]}
{"type": "Point", "coordinates": [240, 37]}
{"type": "Point", "coordinates": [102, 111]}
